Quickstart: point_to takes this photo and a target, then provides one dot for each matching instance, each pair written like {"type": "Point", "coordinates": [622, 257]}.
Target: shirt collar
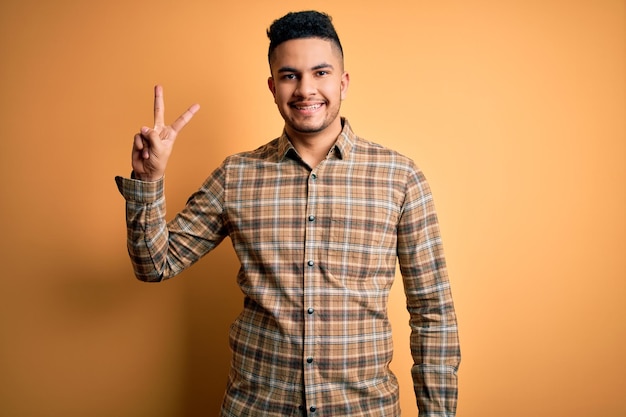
{"type": "Point", "coordinates": [342, 147]}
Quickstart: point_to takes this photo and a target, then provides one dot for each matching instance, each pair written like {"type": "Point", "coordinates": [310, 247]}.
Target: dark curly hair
{"type": "Point", "coordinates": [299, 25]}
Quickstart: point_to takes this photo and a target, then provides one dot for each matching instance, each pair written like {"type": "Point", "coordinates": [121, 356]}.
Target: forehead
{"type": "Point", "coordinates": [306, 53]}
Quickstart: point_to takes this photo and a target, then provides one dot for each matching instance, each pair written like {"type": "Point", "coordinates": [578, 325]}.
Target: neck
{"type": "Point", "coordinates": [313, 147]}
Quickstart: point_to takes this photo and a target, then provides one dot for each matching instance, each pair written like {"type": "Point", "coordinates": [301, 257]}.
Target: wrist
{"type": "Point", "coordinates": [146, 178]}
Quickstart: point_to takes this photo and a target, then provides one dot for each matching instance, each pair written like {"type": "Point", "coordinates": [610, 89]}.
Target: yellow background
{"type": "Point", "coordinates": [514, 109]}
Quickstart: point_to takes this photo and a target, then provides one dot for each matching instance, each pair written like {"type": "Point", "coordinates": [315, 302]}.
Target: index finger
{"type": "Point", "coordinates": [159, 108]}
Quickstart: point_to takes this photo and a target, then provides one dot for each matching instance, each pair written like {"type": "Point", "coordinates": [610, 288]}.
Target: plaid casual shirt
{"type": "Point", "coordinates": [318, 250]}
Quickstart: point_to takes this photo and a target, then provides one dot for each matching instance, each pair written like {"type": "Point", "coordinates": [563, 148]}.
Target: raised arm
{"type": "Point", "coordinates": [152, 147]}
{"type": "Point", "coordinates": [159, 249]}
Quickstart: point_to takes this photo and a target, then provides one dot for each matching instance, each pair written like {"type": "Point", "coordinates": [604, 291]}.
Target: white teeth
{"type": "Point", "coordinates": [311, 107]}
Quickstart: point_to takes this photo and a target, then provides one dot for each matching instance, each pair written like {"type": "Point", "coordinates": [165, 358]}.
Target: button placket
{"type": "Point", "coordinates": [311, 272]}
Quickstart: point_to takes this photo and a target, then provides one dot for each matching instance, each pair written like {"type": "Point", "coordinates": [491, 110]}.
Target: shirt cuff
{"type": "Point", "coordinates": [140, 191]}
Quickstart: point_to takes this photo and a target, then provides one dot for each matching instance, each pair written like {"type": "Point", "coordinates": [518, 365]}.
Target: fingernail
{"type": "Point", "coordinates": [145, 129]}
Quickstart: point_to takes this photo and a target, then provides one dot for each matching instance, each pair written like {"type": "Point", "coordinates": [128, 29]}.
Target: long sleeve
{"type": "Point", "coordinates": [434, 337]}
{"type": "Point", "coordinates": [159, 250]}
{"type": "Point", "coordinates": [318, 250]}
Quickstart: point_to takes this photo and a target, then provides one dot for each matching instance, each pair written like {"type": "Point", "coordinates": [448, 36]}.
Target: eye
{"type": "Point", "coordinates": [289, 77]}
{"type": "Point", "coordinates": [322, 73]}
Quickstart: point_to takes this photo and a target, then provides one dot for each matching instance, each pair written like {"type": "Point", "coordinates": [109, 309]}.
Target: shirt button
{"type": "Point", "coordinates": [311, 218]}
{"type": "Point", "coordinates": [312, 409]}
{"type": "Point", "coordinates": [314, 176]}
{"type": "Point", "coordinates": [310, 310]}
{"type": "Point", "coordinates": [310, 263]}
{"type": "Point", "coordinates": [309, 360]}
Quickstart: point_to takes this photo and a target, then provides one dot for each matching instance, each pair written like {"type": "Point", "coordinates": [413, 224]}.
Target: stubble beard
{"type": "Point", "coordinates": [304, 128]}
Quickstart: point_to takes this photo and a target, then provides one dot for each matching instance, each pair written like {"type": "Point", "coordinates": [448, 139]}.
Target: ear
{"type": "Point", "coordinates": [272, 87]}
{"type": "Point", "coordinates": [345, 82]}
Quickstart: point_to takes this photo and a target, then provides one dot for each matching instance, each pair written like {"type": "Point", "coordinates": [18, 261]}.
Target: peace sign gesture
{"type": "Point", "coordinates": [152, 147]}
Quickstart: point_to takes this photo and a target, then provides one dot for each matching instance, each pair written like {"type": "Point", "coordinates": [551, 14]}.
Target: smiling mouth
{"type": "Point", "coordinates": [310, 107]}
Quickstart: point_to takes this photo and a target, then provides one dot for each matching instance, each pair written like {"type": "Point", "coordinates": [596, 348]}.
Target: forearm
{"type": "Point", "coordinates": [147, 232]}
{"type": "Point", "coordinates": [160, 250]}
{"type": "Point", "coordinates": [436, 353]}
{"type": "Point", "coordinates": [434, 334]}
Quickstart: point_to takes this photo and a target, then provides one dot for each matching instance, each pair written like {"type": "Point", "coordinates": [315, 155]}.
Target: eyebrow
{"type": "Point", "coordinates": [317, 67]}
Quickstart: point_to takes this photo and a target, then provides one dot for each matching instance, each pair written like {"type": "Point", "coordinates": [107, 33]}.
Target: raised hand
{"type": "Point", "coordinates": [152, 147]}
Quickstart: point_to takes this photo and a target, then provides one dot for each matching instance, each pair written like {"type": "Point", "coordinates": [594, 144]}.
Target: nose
{"type": "Point", "coordinates": [306, 86]}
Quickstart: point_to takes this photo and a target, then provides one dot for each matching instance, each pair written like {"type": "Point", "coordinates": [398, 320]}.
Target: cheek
{"type": "Point", "coordinates": [336, 92]}
{"type": "Point", "coordinates": [280, 95]}
{"type": "Point", "coordinates": [335, 89]}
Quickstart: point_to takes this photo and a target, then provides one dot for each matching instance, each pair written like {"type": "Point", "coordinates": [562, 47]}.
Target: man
{"type": "Point", "coordinates": [318, 218]}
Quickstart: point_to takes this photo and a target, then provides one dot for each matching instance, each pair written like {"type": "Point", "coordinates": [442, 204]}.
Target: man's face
{"type": "Point", "coordinates": [308, 84]}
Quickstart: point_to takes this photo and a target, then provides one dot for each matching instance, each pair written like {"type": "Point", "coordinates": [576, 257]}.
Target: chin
{"type": "Point", "coordinates": [308, 127]}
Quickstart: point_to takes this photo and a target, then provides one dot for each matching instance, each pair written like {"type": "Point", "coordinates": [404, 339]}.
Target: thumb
{"type": "Point", "coordinates": [151, 141]}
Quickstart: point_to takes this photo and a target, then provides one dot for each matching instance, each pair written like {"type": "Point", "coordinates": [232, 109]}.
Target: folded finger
{"type": "Point", "coordinates": [138, 141]}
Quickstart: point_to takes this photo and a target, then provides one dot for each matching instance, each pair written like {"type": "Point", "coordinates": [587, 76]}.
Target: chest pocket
{"type": "Point", "coordinates": [360, 240]}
